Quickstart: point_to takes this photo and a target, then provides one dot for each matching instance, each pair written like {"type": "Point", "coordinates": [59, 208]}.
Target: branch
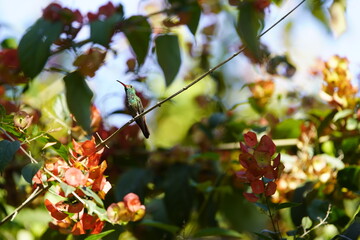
{"type": "Point", "coordinates": [322, 222]}
{"type": "Point", "coordinates": [34, 195]}
{"type": "Point", "coordinates": [210, 71]}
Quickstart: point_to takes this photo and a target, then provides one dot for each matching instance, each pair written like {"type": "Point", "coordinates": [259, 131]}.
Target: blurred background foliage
{"type": "Point", "coordinates": [186, 172]}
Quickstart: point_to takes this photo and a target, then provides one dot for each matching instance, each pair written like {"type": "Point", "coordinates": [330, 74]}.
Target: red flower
{"type": "Point", "coordinates": [258, 161]}
{"type": "Point", "coordinates": [251, 197]}
{"type": "Point", "coordinates": [74, 177]}
{"type": "Point", "coordinates": [257, 186]}
{"type": "Point", "coordinates": [9, 58]}
{"type": "Point", "coordinates": [86, 148]}
{"type": "Point", "coordinates": [132, 202]}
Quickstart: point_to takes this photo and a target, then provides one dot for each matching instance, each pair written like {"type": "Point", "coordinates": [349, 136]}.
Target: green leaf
{"type": "Point", "coordinates": [217, 232]}
{"type": "Point", "coordinates": [194, 13]}
{"type": "Point", "coordinates": [167, 227]}
{"type": "Point", "coordinates": [34, 47]}
{"type": "Point", "coordinates": [306, 222]}
{"type": "Point", "coordinates": [179, 193]}
{"type": "Point", "coordinates": [78, 97]}
{"type": "Point", "coordinates": [57, 147]}
{"type": "Point", "coordinates": [100, 235]}
{"type": "Point", "coordinates": [101, 31]}
{"type": "Point", "coordinates": [286, 205]}
{"type": "Point", "coordinates": [138, 32]}
{"type": "Point", "coordinates": [29, 171]}
{"type": "Point", "coordinates": [92, 208]}
{"type": "Point", "coordinates": [289, 128]}
{"type": "Point", "coordinates": [168, 56]}
{"type": "Point", "coordinates": [349, 178]}
{"type": "Point", "coordinates": [67, 188]}
{"type": "Point", "coordinates": [9, 43]}
{"type": "Point", "coordinates": [90, 193]}
{"type": "Point", "coordinates": [343, 114]}
{"type": "Point", "coordinates": [248, 26]}
{"type": "Point", "coordinates": [7, 152]}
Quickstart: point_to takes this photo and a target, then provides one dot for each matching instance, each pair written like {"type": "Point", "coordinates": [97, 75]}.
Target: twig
{"type": "Point", "coordinates": [322, 222]}
{"type": "Point", "coordinates": [34, 195]}
{"type": "Point", "coordinates": [210, 71]}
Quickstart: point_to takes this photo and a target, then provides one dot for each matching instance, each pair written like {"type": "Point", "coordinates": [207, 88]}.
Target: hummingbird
{"type": "Point", "coordinates": [134, 106]}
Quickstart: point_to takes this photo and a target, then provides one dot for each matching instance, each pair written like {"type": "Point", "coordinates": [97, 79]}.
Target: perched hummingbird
{"type": "Point", "coordinates": [135, 107]}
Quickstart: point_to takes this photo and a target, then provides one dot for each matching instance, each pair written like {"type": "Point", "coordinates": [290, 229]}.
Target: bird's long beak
{"type": "Point", "coordinates": [122, 83]}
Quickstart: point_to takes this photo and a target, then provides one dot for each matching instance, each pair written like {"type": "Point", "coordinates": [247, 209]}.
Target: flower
{"type": "Point", "coordinates": [261, 168]}
{"type": "Point", "coordinates": [125, 211]}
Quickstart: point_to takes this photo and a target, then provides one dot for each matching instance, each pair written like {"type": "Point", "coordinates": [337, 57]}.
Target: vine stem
{"type": "Point", "coordinates": [198, 79]}
{"type": "Point", "coordinates": [33, 195]}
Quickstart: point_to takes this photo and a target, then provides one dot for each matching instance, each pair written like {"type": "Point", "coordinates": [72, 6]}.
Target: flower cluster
{"type": "Point", "coordinates": [128, 210]}
{"type": "Point", "coordinates": [10, 67]}
{"type": "Point", "coordinates": [262, 92]}
{"type": "Point", "coordinates": [104, 12]}
{"type": "Point", "coordinates": [337, 89]}
{"type": "Point", "coordinates": [55, 12]}
{"type": "Point", "coordinates": [82, 171]}
{"type": "Point", "coordinates": [261, 168]}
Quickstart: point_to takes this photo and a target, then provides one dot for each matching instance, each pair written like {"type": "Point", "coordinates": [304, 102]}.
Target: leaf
{"type": "Point", "coordinates": [317, 10]}
{"type": "Point", "coordinates": [286, 205]}
{"type": "Point", "coordinates": [343, 114]}
{"type": "Point", "coordinates": [179, 193]}
{"type": "Point", "coordinates": [90, 193]}
{"type": "Point", "coordinates": [101, 31]}
{"type": "Point", "coordinates": [337, 17]}
{"type": "Point", "coordinates": [138, 32]}
{"type": "Point", "coordinates": [92, 207]}
{"type": "Point", "coordinates": [167, 227]}
{"type": "Point", "coordinates": [34, 47]}
{"type": "Point", "coordinates": [217, 232]}
{"type": "Point", "coordinates": [7, 152]}
{"type": "Point", "coordinates": [135, 181]}
{"type": "Point", "coordinates": [168, 56]}
{"type": "Point", "coordinates": [29, 171]}
{"type": "Point", "coordinates": [349, 178]}
{"type": "Point", "coordinates": [78, 97]}
{"type": "Point", "coordinates": [306, 222]}
{"type": "Point", "coordinates": [248, 26]}
{"type": "Point", "coordinates": [100, 235]}
{"type": "Point", "coordinates": [67, 188]}
{"type": "Point", "coordinates": [289, 128]}
{"type": "Point", "coordinates": [195, 13]}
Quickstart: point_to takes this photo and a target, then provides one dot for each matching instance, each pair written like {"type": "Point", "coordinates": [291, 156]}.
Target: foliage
{"type": "Point", "coordinates": [297, 167]}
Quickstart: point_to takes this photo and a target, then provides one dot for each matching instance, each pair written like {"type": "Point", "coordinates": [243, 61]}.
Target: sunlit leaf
{"type": "Point", "coordinates": [88, 192]}
{"type": "Point", "coordinates": [78, 97]}
{"type": "Point", "coordinates": [168, 56]}
{"type": "Point", "coordinates": [67, 188]}
{"type": "Point", "coordinates": [99, 236]}
{"type": "Point", "coordinates": [29, 171]}
{"type": "Point", "coordinates": [138, 32]}
{"type": "Point", "coordinates": [289, 128]}
{"type": "Point", "coordinates": [34, 47]}
{"type": "Point", "coordinates": [337, 17]}
{"type": "Point", "coordinates": [7, 152]}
